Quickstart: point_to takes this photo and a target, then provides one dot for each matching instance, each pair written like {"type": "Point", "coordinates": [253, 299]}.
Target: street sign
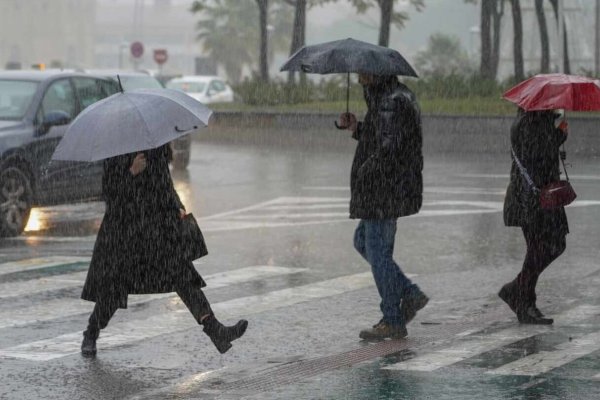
{"type": "Point", "coordinates": [137, 49]}
{"type": "Point", "coordinates": [161, 56]}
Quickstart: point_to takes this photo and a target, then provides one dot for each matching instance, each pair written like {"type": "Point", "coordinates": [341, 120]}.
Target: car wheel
{"type": "Point", "coordinates": [15, 201]}
{"type": "Point", "coordinates": [181, 161]}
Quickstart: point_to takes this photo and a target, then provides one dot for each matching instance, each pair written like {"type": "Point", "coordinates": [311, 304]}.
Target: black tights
{"type": "Point", "coordinates": [191, 295]}
{"type": "Point", "coordinates": [542, 249]}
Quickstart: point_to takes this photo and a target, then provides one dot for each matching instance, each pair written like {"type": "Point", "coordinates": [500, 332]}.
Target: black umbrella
{"type": "Point", "coordinates": [348, 56]}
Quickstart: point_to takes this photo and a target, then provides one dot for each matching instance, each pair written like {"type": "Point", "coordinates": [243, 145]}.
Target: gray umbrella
{"type": "Point", "coordinates": [129, 122]}
{"type": "Point", "coordinates": [348, 55]}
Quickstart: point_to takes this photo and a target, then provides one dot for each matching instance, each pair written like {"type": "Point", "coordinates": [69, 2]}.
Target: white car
{"type": "Point", "coordinates": [205, 89]}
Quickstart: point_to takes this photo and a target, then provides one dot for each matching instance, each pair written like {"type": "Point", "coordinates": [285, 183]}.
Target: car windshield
{"type": "Point", "coordinates": [188, 87]}
{"type": "Point", "coordinates": [140, 82]}
{"type": "Point", "coordinates": [15, 97]}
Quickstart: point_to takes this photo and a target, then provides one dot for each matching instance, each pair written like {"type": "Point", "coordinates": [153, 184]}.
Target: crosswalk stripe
{"type": "Point", "coordinates": [544, 361]}
{"type": "Point", "coordinates": [470, 346]}
{"type": "Point", "coordinates": [58, 308]}
{"type": "Point", "coordinates": [27, 287]}
{"type": "Point", "coordinates": [180, 319]}
{"type": "Point", "coordinates": [39, 263]}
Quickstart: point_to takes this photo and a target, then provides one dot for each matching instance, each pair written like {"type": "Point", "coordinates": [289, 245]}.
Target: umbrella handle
{"type": "Point", "coordinates": [184, 130]}
{"type": "Point", "coordinates": [338, 126]}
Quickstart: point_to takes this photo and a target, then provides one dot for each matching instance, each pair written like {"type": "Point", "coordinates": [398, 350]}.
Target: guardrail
{"type": "Point", "coordinates": [441, 133]}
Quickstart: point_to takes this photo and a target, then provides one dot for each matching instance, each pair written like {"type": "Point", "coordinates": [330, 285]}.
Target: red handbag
{"type": "Point", "coordinates": [555, 194]}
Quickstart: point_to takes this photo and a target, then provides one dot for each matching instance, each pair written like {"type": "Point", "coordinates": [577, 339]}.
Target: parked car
{"type": "Point", "coordinates": [205, 89]}
{"type": "Point", "coordinates": [36, 108]}
{"type": "Point", "coordinates": [140, 80]}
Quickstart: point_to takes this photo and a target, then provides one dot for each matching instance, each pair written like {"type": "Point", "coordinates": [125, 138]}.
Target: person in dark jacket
{"type": "Point", "coordinates": [535, 144]}
{"type": "Point", "coordinates": [136, 251]}
{"type": "Point", "coordinates": [386, 184]}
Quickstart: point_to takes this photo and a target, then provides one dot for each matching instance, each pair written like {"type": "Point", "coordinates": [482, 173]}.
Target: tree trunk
{"type": "Point", "coordinates": [298, 36]}
{"type": "Point", "coordinates": [485, 66]}
{"type": "Point", "coordinates": [567, 61]}
{"type": "Point", "coordinates": [387, 8]}
{"type": "Point", "coordinates": [541, 17]}
{"type": "Point", "coordinates": [263, 6]}
{"type": "Point", "coordinates": [496, 18]}
{"type": "Point", "coordinates": [518, 40]}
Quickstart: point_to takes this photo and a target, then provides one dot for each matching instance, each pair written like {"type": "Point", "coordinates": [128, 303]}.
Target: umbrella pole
{"type": "Point", "coordinates": [120, 86]}
{"type": "Point", "coordinates": [348, 94]}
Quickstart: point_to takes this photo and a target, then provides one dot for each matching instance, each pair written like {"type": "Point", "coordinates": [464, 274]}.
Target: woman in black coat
{"type": "Point", "coordinates": [535, 143]}
{"type": "Point", "coordinates": [136, 251]}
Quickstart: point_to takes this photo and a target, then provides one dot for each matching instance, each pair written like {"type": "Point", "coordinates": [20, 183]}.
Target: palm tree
{"type": "Point", "coordinates": [234, 43]}
{"type": "Point", "coordinates": [388, 15]}
{"type": "Point", "coordinates": [545, 42]}
{"type": "Point", "coordinates": [518, 40]}
{"type": "Point", "coordinates": [492, 12]}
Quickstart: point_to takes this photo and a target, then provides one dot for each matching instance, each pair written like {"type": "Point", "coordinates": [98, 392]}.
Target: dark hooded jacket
{"type": "Point", "coordinates": [386, 178]}
{"type": "Point", "coordinates": [136, 251]}
{"type": "Point", "coordinates": [536, 143]}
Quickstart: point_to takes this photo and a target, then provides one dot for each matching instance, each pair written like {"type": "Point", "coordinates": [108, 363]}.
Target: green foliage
{"type": "Point", "coordinates": [443, 56]}
{"type": "Point", "coordinates": [255, 92]}
{"type": "Point", "coordinates": [454, 86]}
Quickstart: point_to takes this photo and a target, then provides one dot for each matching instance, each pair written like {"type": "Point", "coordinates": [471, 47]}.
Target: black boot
{"type": "Point", "coordinates": [88, 345]}
{"type": "Point", "coordinates": [222, 335]}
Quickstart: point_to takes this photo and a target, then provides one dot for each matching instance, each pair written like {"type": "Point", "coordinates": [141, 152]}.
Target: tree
{"type": "Point", "coordinates": [565, 44]}
{"type": "Point", "coordinates": [263, 10]}
{"type": "Point", "coordinates": [388, 15]}
{"type": "Point", "coordinates": [545, 42]}
{"type": "Point", "coordinates": [518, 40]}
{"type": "Point", "coordinates": [492, 12]}
{"type": "Point", "coordinates": [443, 56]}
{"type": "Point", "coordinates": [234, 43]}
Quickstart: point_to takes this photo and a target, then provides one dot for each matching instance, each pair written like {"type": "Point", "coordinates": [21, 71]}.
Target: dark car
{"type": "Point", "coordinates": [35, 110]}
{"type": "Point", "coordinates": [131, 80]}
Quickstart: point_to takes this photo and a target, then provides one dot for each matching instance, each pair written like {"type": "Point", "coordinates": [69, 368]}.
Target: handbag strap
{"type": "Point", "coordinates": [562, 160]}
{"type": "Point", "coordinates": [524, 171]}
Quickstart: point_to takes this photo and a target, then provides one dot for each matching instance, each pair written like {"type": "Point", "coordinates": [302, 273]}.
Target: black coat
{"type": "Point", "coordinates": [136, 248]}
{"type": "Point", "coordinates": [386, 179]}
{"type": "Point", "coordinates": [536, 143]}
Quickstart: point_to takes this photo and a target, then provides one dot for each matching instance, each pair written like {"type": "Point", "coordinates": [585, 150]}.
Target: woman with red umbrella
{"type": "Point", "coordinates": [535, 146]}
{"type": "Point", "coordinates": [536, 196]}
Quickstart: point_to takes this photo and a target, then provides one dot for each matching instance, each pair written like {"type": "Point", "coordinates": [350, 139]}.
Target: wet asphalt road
{"type": "Point", "coordinates": [281, 255]}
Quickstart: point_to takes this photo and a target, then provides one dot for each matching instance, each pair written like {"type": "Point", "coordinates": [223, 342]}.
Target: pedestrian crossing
{"type": "Point", "coordinates": [296, 211]}
{"type": "Point", "coordinates": [449, 352]}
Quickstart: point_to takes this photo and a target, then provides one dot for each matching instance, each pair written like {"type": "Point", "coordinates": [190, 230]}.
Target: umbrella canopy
{"type": "Point", "coordinates": [348, 55]}
{"type": "Point", "coordinates": [131, 121]}
{"type": "Point", "coordinates": [556, 91]}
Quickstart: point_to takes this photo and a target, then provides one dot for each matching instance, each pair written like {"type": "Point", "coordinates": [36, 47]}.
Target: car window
{"type": "Point", "coordinates": [140, 82]}
{"type": "Point", "coordinates": [15, 98]}
{"type": "Point", "coordinates": [109, 87]}
{"type": "Point", "coordinates": [59, 97]}
{"type": "Point", "coordinates": [217, 86]}
{"type": "Point", "coordinates": [188, 87]}
{"type": "Point", "coordinates": [89, 91]}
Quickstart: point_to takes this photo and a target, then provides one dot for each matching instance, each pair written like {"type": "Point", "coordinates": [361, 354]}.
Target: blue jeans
{"type": "Point", "coordinates": [374, 240]}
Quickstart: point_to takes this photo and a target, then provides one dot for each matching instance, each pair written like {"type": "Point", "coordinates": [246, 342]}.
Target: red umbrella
{"type": "Point", "coordinates": [556, 91]}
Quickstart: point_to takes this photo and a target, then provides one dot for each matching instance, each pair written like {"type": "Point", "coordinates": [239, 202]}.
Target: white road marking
{"type": "Point", "coordinates": [180, 319]}
{"type": "Point", "coordinates": [59, 308]}
{"type": "Point", "coordinates": [39, 263]}
{"type": "Point", "coordinates": [464, 190]}
{"type": "Point", "coordinates": [473, 345]}
{"type": "Point", "coordinates": [545, 361]}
